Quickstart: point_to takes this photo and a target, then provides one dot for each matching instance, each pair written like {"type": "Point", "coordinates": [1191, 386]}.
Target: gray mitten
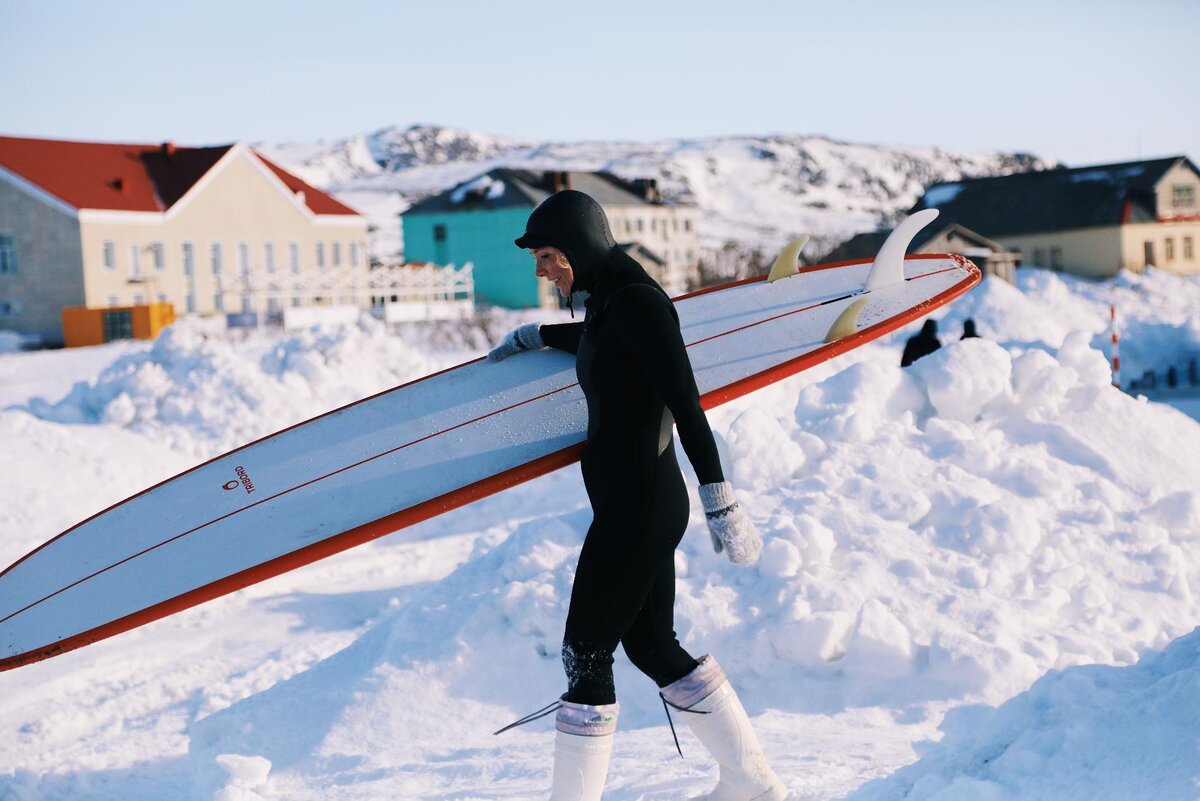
{"type": "Point", "coordinates": [527, 337]}
{"type": "Point", "coordinates": [728, 525]}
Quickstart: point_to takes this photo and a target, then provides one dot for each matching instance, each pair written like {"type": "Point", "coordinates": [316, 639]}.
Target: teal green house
{"type": "Point", "coordinates": [477, 221]}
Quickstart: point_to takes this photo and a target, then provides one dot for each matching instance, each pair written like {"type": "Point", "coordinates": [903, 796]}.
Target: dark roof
{"type": "Point", "coordinates": [509, 188]}
{"type": "Point", "coordinates": [129, 177]}
{"type": "Point", "coordinates": [859, 246]}
{"type": "Point", "coordinates": [866, 245]}
{"type": "Point", "coordinates": [1053, 200]}
{"type": "Point", "coordinates": [636, 249]}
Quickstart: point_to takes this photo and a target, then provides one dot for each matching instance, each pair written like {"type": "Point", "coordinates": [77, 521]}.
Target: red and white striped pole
{"type": "Point", "coordinates": [1116, 346]}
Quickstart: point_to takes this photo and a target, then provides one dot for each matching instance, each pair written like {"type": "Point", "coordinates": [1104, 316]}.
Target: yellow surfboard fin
{"type": "Point", "coordinates": [789, 260]}
{"type": "Point", "coordinates": [847, 322]}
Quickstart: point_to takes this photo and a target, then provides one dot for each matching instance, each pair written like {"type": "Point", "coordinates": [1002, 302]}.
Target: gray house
{"type": "Point", "coordinates": [1091, 221]}
{"type": "Point", "coordinates": [990, 257]}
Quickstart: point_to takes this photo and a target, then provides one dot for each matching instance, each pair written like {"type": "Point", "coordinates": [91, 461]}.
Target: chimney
{"type": "Point", "coordinates": [560, 180]}
{"type": "Point", "coordinates": [649, 187]}
{"type": "Point", "coordinates": [168, 148]}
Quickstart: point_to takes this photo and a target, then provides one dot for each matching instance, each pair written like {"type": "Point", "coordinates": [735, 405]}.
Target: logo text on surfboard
{"type": "Point", "coordinates": [243, 481]}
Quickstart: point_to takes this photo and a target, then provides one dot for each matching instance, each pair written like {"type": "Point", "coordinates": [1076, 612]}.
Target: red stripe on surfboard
{"type": "Point", "coordinates": [281, 431]}
{"type": "Point", "coordinates": [388, 452]}
{"type": "Point", "coordinates": [304, 556]}
{"type": "Point", "coordinates": [281, 493]}
{"type": "Point", "coordinates": [463, 495]}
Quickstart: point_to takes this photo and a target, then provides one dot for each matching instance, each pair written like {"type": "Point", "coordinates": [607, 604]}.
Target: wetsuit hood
{"type": "Point", "coordinates": [575, 224]}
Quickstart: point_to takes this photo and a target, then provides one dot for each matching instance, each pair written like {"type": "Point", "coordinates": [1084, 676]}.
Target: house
{"type": "Point", "coordinates": [116, 225]}
{"type": "Point", "coordinates": [989, 256]}
{"type": "Point", "coordinates": [477, 221]}
{"type": "Point", "coordinates": [1091, 221]}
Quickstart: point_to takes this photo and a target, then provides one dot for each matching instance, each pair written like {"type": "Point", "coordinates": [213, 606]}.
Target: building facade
{"type": "Point", "coordinates": [477, 221]}
{"type": "Point", "coordinates": [105, 225]}
{"type": "Point", "coordinates": [1091, 221]}
{"type": "Point", "coordinates": [990, 257]}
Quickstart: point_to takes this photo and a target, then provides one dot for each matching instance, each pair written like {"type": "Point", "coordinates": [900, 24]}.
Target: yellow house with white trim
{"type": "Point", "coordinates": [104, 225]}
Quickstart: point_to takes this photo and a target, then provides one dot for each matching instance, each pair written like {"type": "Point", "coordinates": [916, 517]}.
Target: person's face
{"type": "Point", "coordinates": [551, 264]}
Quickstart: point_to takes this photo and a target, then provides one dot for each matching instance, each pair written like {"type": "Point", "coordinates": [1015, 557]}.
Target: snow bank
{"type": "Point", "coordinates": [200, 393]}
{"type": "Point", "coordinates": [1085, 733]}
{"type": "Point", "coordinates": [1156, 313]}
{"type": "Point", "coordinates": [938, 534]}
{"type": "Point", "coordinates": [10, 341]}
{"type": "Point", "coordinates": [934, 536]}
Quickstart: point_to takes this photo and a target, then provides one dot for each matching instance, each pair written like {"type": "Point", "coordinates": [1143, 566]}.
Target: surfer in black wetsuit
{"type": "Point", "coordinates": [635, 374]}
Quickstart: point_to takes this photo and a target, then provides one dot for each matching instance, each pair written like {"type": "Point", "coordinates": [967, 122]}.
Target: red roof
{"type": "Point", "coordinates": [121, 177]}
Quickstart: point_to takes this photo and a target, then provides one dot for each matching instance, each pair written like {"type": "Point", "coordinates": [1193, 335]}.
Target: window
{"type": "Point", "coordinates": [189, 259]}
{"type": "Point", "coordinates": [243, 259]}
{"type": "Point", "coordinates": [8, 254]}
{"type": "Point", "coordinates": [118, 325]}
{"type": "Point", "coordinates": [1183, 196]}
{"type": "Point", "coordinates": [139, 299]}
{"type": "Point", "coordinates": [320, 254]}
{"type": "Point", "coordinates": [110, 256]}
{"type": "Point", "coordinates": [112, 300]}
{"type": "Point", "coordinates": [337, 254]}
{"type": "Point", "coordinates": [640, 225]}
{"type": "Point", "coordinates": [269, 257]}
{"type": "Point", "coordinates": [216, 259]}
{"type": "Point", "coordinates": [628, 226]}
{"type": "Point", "coordinates": [9, 307]}
{"type": "Point", "coordinates": [135, 262]}
{"type": "Point", "coordinates": [439, 233]}
{"type": "Point", "coordinates": [219, 301]}
{"type": "Point", "coordinates": [687, 225]}
{"type": "Point", "coordinates": [156, 255]}
{"type": "Point", "coordinates": [1039, 257]}
{"type": "Point", "coordinates": [1148, 252]}
{"type": "Point", "coordinates": [191, 303]}
{"type": "Point", "coordinates": [1188, 253]}
{"type": "Point", "coordinates": [1055, 258]}
{"type": "Point", "coordinates": [353, 254]}
{"type": "Point", "coordinates": [1169, 249]}
{"type": "Point", "coordinates": [294, 256]}
{"type": "Point", "coordinates": [654, 224]}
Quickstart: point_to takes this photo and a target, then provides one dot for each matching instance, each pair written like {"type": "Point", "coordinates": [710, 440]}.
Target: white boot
{"type": "Point", "coordinates": [711, 708]}
{"type": "Point", "coordinates": [583, 741]}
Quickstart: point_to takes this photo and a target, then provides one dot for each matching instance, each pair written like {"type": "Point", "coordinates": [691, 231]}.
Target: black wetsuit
{"type": "Point", "coordinates": [634, 371]}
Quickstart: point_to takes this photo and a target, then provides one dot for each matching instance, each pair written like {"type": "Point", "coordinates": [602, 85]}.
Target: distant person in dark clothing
{"type": "Point", "coordinates": [922, 344]}
{"type": "Point", "coordinates": [968, 329]}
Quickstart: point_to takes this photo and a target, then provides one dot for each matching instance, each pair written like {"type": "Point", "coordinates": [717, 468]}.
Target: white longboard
{"type": "Point", "coordinates": [416, 451]}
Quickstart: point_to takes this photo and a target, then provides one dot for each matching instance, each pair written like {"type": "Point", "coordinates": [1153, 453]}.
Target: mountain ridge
{"type": "Point", "coordinates": [753, 191]}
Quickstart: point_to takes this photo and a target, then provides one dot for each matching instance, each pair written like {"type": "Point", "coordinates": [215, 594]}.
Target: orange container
{"type": "Point", "coordinates": [87, 326]}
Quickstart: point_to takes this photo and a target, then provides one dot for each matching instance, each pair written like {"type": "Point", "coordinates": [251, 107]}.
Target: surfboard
{"type": "Point", "coordinates": [421, 449]}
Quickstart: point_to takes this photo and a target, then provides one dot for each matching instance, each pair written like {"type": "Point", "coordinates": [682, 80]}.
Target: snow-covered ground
{"type": "Point", "coordinates": [995, 526]}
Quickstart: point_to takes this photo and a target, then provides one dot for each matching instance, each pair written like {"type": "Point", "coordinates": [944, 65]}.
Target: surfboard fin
{"type": "Point", "coordinates": [787, 263]}
{"type": "Point", "coordinates": [889, 262]}
{"type": "Point", "coordinates": [846, 322]}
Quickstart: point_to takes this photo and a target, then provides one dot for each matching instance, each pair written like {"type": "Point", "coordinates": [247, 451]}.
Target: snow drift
{"type": "Point", "coordinates": [937, 536]}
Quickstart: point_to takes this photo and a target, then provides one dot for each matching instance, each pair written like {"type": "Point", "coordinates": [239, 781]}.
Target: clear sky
{"type": "Point", "coordinates": [1083, 82]}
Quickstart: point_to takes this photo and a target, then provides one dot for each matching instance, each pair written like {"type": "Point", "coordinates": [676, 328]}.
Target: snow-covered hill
{"type": "Point", "coordinates": [935, 537]}
{"type": "Point", "coordinates": [752, 191]}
